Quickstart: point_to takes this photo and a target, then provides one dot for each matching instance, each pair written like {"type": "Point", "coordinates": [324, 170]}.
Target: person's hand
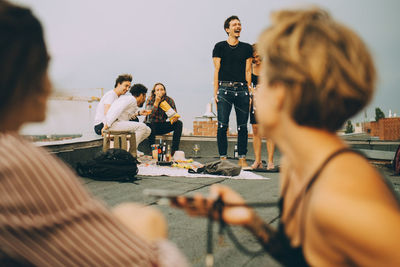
{"type": "Point", "coordinates": [103, 129]}
{"type": "Point", "coordinates": [216, 99]}
{"type": "Point", "coordinates": [145, 112]}
{"type": "Point", "coordinates": [200, 206]}
{"type": "Point", "coordinates": [250, 102]}
{"type": "Point", "coordinates": [157, 100]}
{"type": "Point", "coordinates": [146, 222]}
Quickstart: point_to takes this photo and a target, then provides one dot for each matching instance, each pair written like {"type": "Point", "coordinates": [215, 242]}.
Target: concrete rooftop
{"type": "Point", "coordinates": [187, 232]}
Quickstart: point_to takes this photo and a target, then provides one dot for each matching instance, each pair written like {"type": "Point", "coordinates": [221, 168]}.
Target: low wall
{"type": "Point", "coordinates": [80, 150]}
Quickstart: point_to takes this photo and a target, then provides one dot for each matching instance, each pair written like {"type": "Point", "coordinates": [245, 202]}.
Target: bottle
{"type": "Point", "coordinates": [154, 151]}
{"type": "Point", "coordinates": [235, 152]}
{"type": "Point", "coordinates": [164, 152]}
{"type": "Point", "coordinates": [168, 154]}
{"type": "Point", "coordinates": [160, 151]}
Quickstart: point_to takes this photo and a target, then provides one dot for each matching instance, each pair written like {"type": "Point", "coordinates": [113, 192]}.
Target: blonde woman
{"type": "Point", "coordinates": [255, 74]}
{"type": "Point", "coordinates": [336, 209]}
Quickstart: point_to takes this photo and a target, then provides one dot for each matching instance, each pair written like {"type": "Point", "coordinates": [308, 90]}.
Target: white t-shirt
{"type": "Point", "coordinates": [122, 109]}
{"type": "Point", "coordinates": [107, 99]}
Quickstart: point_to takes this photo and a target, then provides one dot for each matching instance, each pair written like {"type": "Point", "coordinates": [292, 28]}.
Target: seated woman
{"type": "Point", "coordinates": [47, 218]}
{"type": "Point", "coordinates": [336, 209]}
{"type": "Point", "coordinates": [163, 107]}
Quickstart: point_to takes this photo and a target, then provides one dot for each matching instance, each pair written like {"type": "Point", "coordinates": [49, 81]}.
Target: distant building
{"type": "Point", "coordinates": [385, 129]}
{"type": "Point", "coordinates": [358, 128]}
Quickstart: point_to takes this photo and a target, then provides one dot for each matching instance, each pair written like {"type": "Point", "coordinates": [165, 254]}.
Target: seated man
{"type": "Point", "coordinates": [122, 84]}
{"type": "Point", "coordinates": [125, 108]}
{"type": "Point", "coordinates": [157, 120]}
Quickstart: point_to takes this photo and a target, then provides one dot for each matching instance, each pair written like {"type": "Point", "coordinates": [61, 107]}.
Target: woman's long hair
{"type": "Point", "coordinates": [153, 91]}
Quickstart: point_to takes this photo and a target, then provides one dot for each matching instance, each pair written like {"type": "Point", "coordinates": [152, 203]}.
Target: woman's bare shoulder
{"type": "Point", "coordinates": [355, 211]}
{"type": "Point", "coordinates": [351, 175]}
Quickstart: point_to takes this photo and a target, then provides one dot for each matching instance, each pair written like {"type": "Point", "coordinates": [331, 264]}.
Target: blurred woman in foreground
{"type": "Point", "coordinates": [47, 218]}
{"type": "Point", "coordinates": [336, 209]}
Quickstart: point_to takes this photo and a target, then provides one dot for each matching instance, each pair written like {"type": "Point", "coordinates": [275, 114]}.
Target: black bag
{"type": "Point", "coordinates": [396, 162]}
{"type": "Point", "coordinates": [113, 165]}
{"type": "Point", "coordinates": [219, 167]}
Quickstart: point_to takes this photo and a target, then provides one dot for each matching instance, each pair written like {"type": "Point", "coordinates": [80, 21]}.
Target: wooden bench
{"type": "Point", "coordinates": [121, 139]}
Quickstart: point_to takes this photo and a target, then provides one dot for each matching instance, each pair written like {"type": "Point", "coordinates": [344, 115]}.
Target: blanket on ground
{"type": "Point", "coordinates": [151, 170]}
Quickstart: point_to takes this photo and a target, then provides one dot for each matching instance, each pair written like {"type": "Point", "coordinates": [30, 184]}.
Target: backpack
{"type": "Point", "coordinates": [113, 165]}
{"type": "Point", "coordinates": [396, 162]}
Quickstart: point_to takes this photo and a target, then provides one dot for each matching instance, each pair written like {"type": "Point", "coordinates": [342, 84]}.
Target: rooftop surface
{"type": "Point", "coordinates": [190, 233]}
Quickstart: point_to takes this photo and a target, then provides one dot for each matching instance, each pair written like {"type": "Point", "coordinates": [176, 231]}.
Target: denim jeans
{"type": "Point", "coordinates": [166, 127]}
{"type": "Point", "coordinates": [240, 98]}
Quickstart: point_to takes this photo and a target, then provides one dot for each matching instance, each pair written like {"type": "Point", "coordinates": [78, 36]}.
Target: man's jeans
{"type": "Point", "coordinates": [166, 127]}
{"type": "Point", "coordinates": [240, 98]}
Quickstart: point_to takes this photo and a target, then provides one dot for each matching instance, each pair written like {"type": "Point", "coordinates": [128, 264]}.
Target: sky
{"type": "Point", "coordinates": [91, 42]}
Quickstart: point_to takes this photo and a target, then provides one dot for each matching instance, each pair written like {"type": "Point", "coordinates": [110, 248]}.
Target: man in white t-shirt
{"type": "Point", "coordinates": [122, 84]}
{"type": "Point", "coordinates": [125, 108]}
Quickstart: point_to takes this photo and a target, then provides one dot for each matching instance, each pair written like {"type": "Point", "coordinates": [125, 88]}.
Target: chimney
{"type": "Point", "coordinates": [209, 113]}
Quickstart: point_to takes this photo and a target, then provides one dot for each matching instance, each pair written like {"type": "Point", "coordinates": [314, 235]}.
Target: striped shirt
{"type": "Point", "coordinates": [47, 218]}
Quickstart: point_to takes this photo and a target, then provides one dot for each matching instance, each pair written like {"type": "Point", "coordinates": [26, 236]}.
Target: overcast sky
{"type": "Point", "coordinates": [171, 41]}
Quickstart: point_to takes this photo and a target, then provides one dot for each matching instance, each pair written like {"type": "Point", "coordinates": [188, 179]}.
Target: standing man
{"type": "Point", "coordinates": [232, 80]}
{"type": "Point", "coordinates": [122, 84]}
{"type": "Point", "coordinates": [125, 108]}
{"type": "Point", "coordinates": [157, 120]}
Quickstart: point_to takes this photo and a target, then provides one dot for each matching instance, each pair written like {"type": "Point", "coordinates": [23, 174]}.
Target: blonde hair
{"type": "Point", "coordinates": [327, 69]}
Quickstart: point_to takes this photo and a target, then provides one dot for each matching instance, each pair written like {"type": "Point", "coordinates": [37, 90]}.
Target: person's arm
{"type": "Point", "coordinates": [106, 108]}
{"type": "Point", "coordinates": [150, 225]}
{"type": "Point", "coordinates": [217, 66]}
{"type": "Point", "coordinates": [248, 73]}
{"type": "Point", "coordinates": [107, 100]}
{"type": "Point", "coordinates": [117, 107]}
{"type": "Point", "coordinates": [238, 215]}
{"type": "Point", "coordinates": [157, 100]}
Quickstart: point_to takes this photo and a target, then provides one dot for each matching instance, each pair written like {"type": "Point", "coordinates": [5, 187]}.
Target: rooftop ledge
{"type": "Point", "coordinates": [84, 147]}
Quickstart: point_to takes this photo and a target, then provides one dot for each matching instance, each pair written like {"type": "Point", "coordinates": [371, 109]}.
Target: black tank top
{"type": "Point", "coordinates": [280, 243]}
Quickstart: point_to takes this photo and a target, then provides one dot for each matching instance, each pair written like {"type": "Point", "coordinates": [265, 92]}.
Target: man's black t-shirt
{"type": "Point", "coordinates": [233, 60]}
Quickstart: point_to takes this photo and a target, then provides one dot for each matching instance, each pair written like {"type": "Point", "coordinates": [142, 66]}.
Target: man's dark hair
{"type": "Point", "coordinates": [138, 89]}
{"type": "Point", "coordinates": [123, 78]}
{"type": "Point", "coordinates": [23, 55]}
{"type": "Point", "coordinates": [228, 20]}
